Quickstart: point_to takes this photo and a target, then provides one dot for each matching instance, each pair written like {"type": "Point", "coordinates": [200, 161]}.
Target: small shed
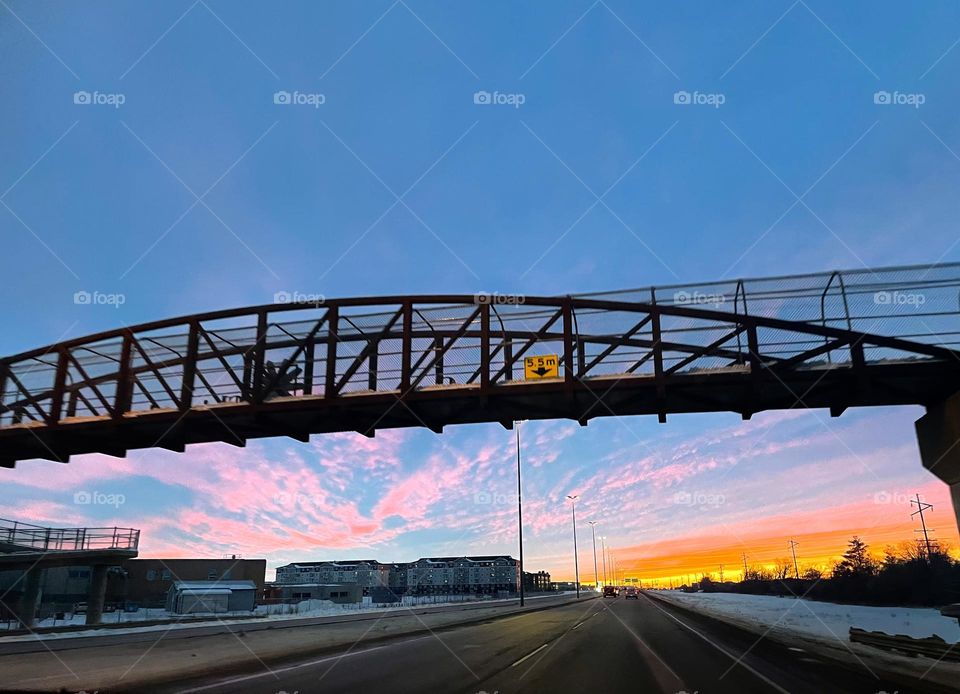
{"type": "Point", "coordinates": [191, 597]}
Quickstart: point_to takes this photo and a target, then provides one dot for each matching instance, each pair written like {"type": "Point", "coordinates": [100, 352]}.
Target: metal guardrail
{"type": "Point", "coordinates": [36, 537]}
{"type": "Point", "coordinates": [931, 646]}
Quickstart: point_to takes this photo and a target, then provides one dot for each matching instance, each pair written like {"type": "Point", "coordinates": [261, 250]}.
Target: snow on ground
{"type": "Point", "coordinates": [308, 608]}
{"type": "Point", "coordinates": [821, 620]}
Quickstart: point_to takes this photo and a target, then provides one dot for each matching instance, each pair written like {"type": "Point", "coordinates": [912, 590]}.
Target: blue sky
{"type": "Point", "coordinates": [598, 180]}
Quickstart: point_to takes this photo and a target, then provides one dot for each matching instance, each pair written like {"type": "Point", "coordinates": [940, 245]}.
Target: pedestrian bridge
{"type": "Point", "coordinates": [888, 336]}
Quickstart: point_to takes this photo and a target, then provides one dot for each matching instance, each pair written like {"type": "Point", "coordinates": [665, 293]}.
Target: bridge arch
{"type": "Point", "coordinates": [831, 340]}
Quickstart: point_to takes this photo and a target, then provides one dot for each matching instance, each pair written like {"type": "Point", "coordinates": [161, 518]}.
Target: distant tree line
{"type": "Point", "coordinates": [907, 574]}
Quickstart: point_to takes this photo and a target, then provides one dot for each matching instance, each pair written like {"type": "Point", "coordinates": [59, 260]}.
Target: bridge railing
{"type": "Point", "coordinates": [347, 347]}
{"type": "Point", "coordinates": [35, 537]}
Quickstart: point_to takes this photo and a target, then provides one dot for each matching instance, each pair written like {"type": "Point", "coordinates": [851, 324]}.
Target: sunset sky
{"type": "Point", "coordinates": [198, 191]}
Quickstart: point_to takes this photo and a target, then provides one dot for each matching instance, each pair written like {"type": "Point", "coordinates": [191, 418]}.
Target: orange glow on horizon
{"type": "Point", "coordinates": [822, 536]}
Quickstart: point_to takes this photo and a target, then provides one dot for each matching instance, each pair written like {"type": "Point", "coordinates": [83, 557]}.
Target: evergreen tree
{"type": "Point", "coordinates": [856, 560]}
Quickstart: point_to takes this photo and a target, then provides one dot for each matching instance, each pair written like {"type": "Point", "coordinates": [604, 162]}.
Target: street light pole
{"type": "Point", "coordinates": [520, 515]}
{"type": "Point", "coordinates": [603, 552]}
{"type": "Point", "coordinates": [596, 574]}
{"type": "Point", "coordinates": [576, 562]}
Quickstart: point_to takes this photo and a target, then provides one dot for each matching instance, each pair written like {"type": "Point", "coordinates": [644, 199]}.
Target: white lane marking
{"type": "Point", "coordinates": [528, 655]}
{"type": "Point", "coordinates": [722, 650]}
{"type": "Point", "coordinates": [246, 678]}
{"type": "Point", "coordinates": [275, 671]}
{"type": "Point", "coordinates": [577, 626]}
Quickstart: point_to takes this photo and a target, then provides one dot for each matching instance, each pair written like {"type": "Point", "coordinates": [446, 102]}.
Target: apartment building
{"type": "Point", "coordinates": [486, 575]}
{"type": "Point", "coordinates": [490, 575]}
{"type": "Point", "coordinates": [367, 573]}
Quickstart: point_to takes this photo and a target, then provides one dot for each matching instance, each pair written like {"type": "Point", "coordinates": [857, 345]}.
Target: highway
{"type": "Point", "coordinates": [597, 645]}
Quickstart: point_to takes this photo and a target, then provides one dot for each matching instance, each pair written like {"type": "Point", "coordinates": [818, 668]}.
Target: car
{"type": "Point", "coordinates": [609, 591]}
{"type": "Point", "coordinates": [632, 593]}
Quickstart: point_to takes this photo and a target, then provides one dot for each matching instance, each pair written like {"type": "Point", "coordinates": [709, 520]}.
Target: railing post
{"type": "Point", "coordinates": [581, 358]}
{"type": "Point", "coordinates": [4, 367]}
{"type": "Point", "coordinates": [753, 345]}
{"type": "Point", "coordinates": [373, 365]}
{"type": "Point", "coordinates": [406, 348]}
{"type": "Point", "coordinates": [59, 387]}
{"type": "Point", "coordinates": [438, 369]}
{"type": "Point", "coordinates": [259, 357]}
{"type": "Point", "coordinates": [658, 362]}
{"type": "Point", "coordinates": [567, 342]}
{"type": "Point", "coordinates": [124, 396]}
{"type": "Point", "coordinates": [308, 356]}
{"type": "Point", "coordinates": [484, 347]}
{"type": "Point", "coordinates": [190, 367]}
{"type": "Point", "coordinates": [330, 377]}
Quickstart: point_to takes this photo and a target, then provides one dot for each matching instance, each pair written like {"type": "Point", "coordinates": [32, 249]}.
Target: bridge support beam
{"type": "Point", "coordinates": [938, 434]}
{"type": "Point", "coordinates": [97, 594]}
{"type": "Point", "coordinates": [30, 598]}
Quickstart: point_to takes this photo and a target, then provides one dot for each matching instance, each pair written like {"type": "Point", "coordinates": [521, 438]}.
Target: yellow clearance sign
{"type": "Point", "coordinates": [547, 366]}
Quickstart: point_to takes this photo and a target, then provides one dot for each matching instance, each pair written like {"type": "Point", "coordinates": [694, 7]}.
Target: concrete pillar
{"type": "Point", "coordinates": [98, 591]}
{"type": "Point", "coordinates": [938, 434]}
{"type": "Point", "coordinates": [30, 598]}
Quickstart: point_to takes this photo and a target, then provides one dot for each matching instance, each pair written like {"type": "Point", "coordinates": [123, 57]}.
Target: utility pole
{"type": "Point", "coordinates": [520, 516]}
{"type": "Point", "coordinates": [596, 574]}
{"type": "Point", "coordinates": [744, 555]}
{"type": "Point", "coordinates": [921, 507]}
{"type": "Point", "coordinates": [793, 548]}
{"type": "Point", "coordinates": [721, 573]}
{"type": "Point", "coordinates": [576, 561]}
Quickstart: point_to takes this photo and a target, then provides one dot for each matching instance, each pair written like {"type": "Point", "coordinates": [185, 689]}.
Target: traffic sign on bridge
{"type": "Point", "coordinates": [547, 366]}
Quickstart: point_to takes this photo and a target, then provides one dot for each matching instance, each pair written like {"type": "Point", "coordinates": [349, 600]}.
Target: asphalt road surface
{"type": "Point", "coordinates": [598, 645]}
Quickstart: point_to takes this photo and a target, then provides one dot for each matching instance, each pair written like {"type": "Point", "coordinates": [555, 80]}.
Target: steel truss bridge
{"type": "Point", "coordinates": [888, 336]}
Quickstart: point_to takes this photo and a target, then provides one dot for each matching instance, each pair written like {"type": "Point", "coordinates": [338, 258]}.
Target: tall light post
{"type": "Point", "coordinates": [603, 552]}
{"type": "Point", "coordinates": [576, 562]}
{"type": "Point", "coordinates": [596, 574]}
{"type": "Point", "coordinates": [520, 515]}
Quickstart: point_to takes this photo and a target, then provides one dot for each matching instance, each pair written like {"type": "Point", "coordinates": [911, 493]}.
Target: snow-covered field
{"type": "Point", "coordinates": [308, 608]}
{"type": "Point", "coordinates": [819, 620]}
